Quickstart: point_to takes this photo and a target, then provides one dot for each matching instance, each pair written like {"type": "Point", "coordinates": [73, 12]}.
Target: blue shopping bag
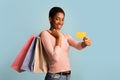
{"type": "Point", "coordinates": [28, 63]}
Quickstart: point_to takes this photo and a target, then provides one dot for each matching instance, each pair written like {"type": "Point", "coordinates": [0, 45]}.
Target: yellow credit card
{"type": "Point", "coordinates": [80, 34]}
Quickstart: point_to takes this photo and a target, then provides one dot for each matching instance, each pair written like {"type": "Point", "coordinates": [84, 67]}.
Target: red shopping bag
{"type": "Point", "coordinates": [16, 65]}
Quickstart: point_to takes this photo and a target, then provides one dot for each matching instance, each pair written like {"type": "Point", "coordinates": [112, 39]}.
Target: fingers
{"type": "Point", "coordinates": [55, 33]}
{"type": "Point", "coordinates": [87, 41]}
{"type": "Point", "coordinates": [84, 38]}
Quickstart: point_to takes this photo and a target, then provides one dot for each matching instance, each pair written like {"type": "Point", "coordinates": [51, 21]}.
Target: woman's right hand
{"type": "Point", "coordinates": [55, 33]}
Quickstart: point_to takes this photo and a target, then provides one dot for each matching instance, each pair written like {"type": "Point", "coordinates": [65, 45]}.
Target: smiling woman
{"type": "Point", "coordinates": [57, 46]}
{"type": "Point", "coordinates": [57, 21]}
{"type": "Point", "coordinates": [56, 17]}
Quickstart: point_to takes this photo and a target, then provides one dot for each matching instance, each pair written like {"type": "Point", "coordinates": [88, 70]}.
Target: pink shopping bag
{"type": "Point", "coordinates": [16, 65]}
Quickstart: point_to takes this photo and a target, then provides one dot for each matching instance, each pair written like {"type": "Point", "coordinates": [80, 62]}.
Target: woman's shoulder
{"type": "Point", "coordinates": [66, 35]}
{"type": "Point", "coordinates": [44, 32]}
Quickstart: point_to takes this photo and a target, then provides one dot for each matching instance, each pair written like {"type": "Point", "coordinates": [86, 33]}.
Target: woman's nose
{"type": "Point", "coordinates": [61, 22]}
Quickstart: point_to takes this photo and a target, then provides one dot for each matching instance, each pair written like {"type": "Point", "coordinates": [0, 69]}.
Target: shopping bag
{"type": "Point", "coordinates": [28, 61]}
{"type": "Point", "coordinates": [16, 65]}
{"type": "Point", "coordinates": [40, 61]}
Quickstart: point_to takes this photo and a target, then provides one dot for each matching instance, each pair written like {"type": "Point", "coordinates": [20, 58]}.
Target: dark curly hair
{"type": "Point", "coordinates": [53, 11]}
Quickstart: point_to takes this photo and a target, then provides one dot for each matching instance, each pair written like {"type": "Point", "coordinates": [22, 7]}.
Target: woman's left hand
{"type": "Point", "coordinates": [87, 41]}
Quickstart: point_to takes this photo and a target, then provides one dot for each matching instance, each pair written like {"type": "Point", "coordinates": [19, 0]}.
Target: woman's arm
{"type": "Point", "coordinates": [53, 52]}
{"type": "Point", "coordinates": [76, 44]}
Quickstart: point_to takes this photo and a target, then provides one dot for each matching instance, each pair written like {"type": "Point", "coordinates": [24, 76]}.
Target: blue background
{"type": "Point", "coordinates": [100, 19]}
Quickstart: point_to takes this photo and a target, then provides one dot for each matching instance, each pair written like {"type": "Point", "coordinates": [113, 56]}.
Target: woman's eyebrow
{"type": "Point", "coordinates": [59, 17]}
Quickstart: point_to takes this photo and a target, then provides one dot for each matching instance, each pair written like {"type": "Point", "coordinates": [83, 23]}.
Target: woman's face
{"type": "Point", "coordinates": [57, 21]}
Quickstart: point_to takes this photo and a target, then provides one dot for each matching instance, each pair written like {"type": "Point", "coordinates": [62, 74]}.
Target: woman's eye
{"type": "Point", "coordinates": [57, 19]}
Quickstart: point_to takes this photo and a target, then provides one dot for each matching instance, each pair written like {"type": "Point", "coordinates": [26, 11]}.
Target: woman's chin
{"type": "Point", "coordinates": [59, 29]}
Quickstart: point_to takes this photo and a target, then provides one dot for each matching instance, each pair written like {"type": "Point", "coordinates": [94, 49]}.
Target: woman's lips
{"type": "Point", "coordinates": [59, 26]}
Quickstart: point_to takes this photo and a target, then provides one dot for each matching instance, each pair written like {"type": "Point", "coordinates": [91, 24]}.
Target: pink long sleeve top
{"type": "Point", "coordinates": [58, 56]}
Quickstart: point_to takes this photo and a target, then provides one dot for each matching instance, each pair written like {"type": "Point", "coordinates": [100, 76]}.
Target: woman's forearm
{"type": "Point", "coordinates": [58, 41]}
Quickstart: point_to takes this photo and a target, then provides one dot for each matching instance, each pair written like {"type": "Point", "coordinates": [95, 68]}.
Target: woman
{"type": "Point", "coordinates": [57, 45]}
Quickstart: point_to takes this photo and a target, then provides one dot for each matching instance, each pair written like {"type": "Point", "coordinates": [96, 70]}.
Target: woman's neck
{"type": "Point", "coordinates": [51, 28]}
